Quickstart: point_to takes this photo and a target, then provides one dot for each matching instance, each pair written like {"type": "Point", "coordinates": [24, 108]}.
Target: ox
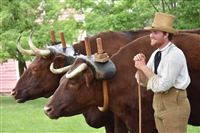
{"type": "Point", "coordinates": [34, 83]}
{"type": "Point", "coordinates": [81, 90]}
{"type": "Point", "coordinates": [39, 71]}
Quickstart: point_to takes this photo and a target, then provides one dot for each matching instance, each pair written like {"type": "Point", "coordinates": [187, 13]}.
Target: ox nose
{"type": "Point", "coordinates": [13, 92]}
{"type": "Point", "coordinates": [48, 110]}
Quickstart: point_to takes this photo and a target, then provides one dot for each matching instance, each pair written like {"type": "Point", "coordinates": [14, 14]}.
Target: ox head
{"type": "Point", "coordinates": [78, 90]}
{"type": "Point", "coordinates": [38, 81]}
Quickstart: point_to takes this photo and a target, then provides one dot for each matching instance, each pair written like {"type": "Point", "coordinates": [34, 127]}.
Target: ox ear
{"type": "Point", "coordinates": [88, 75]}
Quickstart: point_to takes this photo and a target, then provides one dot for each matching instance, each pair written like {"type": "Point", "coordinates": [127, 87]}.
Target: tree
{"type": "Point", "coordinates": [20, 16]}
{"type": "Point", "coordinates": [16, 16]}
{"type": "Point", "coordinates": [187, 12]}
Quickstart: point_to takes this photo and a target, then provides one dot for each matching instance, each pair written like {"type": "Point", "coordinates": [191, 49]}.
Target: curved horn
{"type": "Point", "coordinates": [23, 51]}
{"type": "Point", "coordinates": [36, 50]}
{"type": "Point", "coordinates": [79, 69]}
{"type": "Point", "coordinates": [105, 97]}
{"type": "Point", "coordinates": [60, 70]}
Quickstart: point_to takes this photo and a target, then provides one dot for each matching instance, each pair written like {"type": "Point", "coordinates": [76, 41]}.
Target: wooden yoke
{"type": "Point", "coordinates": [53, 37]}
{"type": "Point", "coordinates": [62, 38]}
{"type": "Point", "coordinates": [87, 46]}
{"type": "Point", "coordinates": [100, 56]}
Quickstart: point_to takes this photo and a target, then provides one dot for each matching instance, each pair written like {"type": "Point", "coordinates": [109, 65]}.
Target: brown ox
{"type": "Point", "coordinates": [37, 81]}
{"type": "Point", "coordinates": [81, 91]}
{"type": "Point", "coordinates": [34, 82]}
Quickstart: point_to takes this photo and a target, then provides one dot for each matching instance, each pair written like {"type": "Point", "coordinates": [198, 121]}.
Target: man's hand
{"type": "Point", "coordinates": [139, 61]}
{"type": "Point", "coordinates": [139, 57]}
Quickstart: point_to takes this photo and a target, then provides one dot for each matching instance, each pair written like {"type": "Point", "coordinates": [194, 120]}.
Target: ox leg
{"type": "Point", "coordinates": [109, 128]}
{"type": "Point", "coordinates": [120, 127]}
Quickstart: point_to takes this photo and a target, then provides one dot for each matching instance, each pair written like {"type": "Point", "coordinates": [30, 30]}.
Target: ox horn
{"type": "Point", "coordinates": [105, 97]}
{"type": "Point", "coordinates": [60, 70]}
{"type": "Point", "coordinates": [79, 69]}
{"type": "Point", "coordinates": [23, 51]}
{"type": "Point", "coordinates": [36, 50]}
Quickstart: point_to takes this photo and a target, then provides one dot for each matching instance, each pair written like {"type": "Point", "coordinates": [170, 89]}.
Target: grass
{"type": "Point", "coordinates": [29, 118]}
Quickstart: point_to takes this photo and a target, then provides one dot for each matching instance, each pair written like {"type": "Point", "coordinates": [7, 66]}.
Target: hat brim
{"type": "Point", "coordinates": [165, 29]}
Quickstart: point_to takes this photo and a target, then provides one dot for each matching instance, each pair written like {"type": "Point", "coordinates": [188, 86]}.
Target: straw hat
{"type": "Point", "coordinates": [162, 22]}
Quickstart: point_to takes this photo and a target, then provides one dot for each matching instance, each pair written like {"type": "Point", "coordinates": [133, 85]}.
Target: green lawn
{"type": "Point", "coordinates": [29, 118]}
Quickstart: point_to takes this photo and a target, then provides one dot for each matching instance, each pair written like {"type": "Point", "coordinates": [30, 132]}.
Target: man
{"type": "Point", "coordinates": [166, 74]}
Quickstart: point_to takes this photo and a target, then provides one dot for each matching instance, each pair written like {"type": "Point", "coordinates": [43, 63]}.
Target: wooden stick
{"type": "Point", "coordinates": [99, 46]}
{"type": "Point", "coordinates": [62, 40]}
{"type": "Point", "coordinates": [140, 108]}
{"type": "Point", "coordinates": [87, 46]}
{"type": "Point", "coordinates": [53, 37]}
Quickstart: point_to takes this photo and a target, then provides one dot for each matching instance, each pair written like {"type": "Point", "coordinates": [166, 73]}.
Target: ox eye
{"type": "Point", "coordinates": [72, 84]}
{"type": "Point", "coordinates": [34, 70]}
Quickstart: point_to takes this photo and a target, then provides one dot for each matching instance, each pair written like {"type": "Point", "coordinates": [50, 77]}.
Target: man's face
{"type": "Point", "coordinates": [157, 38]}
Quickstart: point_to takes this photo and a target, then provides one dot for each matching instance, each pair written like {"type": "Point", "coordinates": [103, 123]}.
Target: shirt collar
{"type": "Point", "coordinates": [162, 49]}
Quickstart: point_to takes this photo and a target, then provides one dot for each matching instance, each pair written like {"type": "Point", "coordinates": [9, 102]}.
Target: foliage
{"type": "Point", "coordinates": [188, 13]}
{"type": "Point", "coordinates": [16, 16]}
{"type": "Point", "coordinates": [120, 15]}
{"type": "Point", "coordinates": [19, 16]}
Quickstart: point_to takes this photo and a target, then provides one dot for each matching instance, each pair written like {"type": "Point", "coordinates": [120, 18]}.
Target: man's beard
{"type": "Point", "coordinates": [155, 43]}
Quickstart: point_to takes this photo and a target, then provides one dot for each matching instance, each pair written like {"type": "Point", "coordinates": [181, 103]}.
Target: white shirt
{"type": "Point", "coordinates": [172, 70]}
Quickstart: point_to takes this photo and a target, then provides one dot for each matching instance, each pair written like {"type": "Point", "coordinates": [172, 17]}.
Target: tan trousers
{"type": "Point", "coordinates": [171, 111]}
